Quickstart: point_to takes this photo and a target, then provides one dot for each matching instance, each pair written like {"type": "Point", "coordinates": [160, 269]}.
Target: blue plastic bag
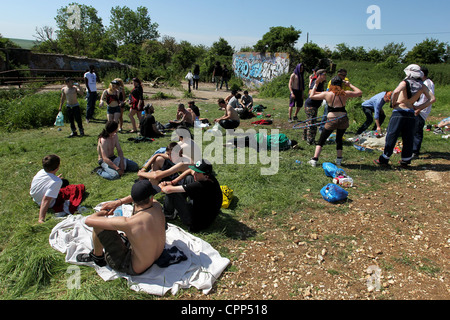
{"type": "Point", "coordinates": [331, 170]}
{"type": "Point", "coordinates": [333, 193]}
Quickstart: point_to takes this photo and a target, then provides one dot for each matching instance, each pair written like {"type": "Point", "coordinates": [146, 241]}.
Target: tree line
{"type": "Point", "coordinates": [133, 38]}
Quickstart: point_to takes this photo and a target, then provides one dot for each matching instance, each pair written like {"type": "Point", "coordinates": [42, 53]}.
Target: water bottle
{"type": "Point", "coordinates": [298, 162]}
{"type": "Point", "coordinates": [118, 212]}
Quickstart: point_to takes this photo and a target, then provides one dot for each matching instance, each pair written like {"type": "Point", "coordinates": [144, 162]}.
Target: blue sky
{"type": "Point", "coordinates": [243, 23]}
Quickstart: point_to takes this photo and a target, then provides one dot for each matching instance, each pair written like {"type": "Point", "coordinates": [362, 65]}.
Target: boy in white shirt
{"type": "Point", "coordinates": [46, 185]}
{"type": "Point", "coordinates": [51, 191]}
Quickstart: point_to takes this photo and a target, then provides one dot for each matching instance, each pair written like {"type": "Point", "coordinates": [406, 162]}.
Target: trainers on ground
{"type": "Point", "coordinates": [290, 120]}
{"type": "Point", "coordinates": [338, 161]}
{"type": "Point", "coordinates": [313, 162]}
{"type": "Point", "coordinates": [295, 119]}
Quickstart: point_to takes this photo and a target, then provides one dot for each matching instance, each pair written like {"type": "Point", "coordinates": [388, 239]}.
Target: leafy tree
{"type": "Point", "coordinates": [311, 54]}
{"type": "Point", "coordinates": [428, 51]}
{"type": "Point", "coordinates": [132, 27]}
{"type": "Point", "coordinates": [393, 49]}
{"type": "Point", "coordinates": [278, 39]}
{"type": "Point", "coordinates": [82, 39]}
{"type": "Point", "coordinates": [222, 48]}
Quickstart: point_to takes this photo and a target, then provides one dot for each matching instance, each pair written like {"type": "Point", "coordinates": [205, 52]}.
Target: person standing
{"type": "Point", "coordinates": [69, 94]}
{"type": "Point", "coordinates": [421, 114]}
{"type": "Point", "coordinates": [225, 77]}
{"type": "Point", "coordinates": [217, 74]}
{"type": "Point", "coordinates": [402, 121]}
{"type": "Point", "coordinates": [312, 106]}
{"type": "Point", "coordinates": [137, 103]}
{"type": "Point", "coordinates": [190, 78]}
{"type": "Point", "coordinates": [337, 119]}
{"type": "Point", "coordinates": [111, 97]}
{"type": "Point", "coordinates": [196, 77]}
{"type": "Point", "coordinates": [296, 88]}
{"type": "Point", "coordinates": [90, 79]}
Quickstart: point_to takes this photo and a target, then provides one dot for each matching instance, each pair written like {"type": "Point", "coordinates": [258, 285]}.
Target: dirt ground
{"type": "Point", "coordinates": [333, 254]}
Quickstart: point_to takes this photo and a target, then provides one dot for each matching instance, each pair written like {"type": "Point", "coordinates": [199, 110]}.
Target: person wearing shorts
{"type": "Point", "coordinates": [337, 118]}
{"type": "Point", "coordinates": [145, 232]}
{"type": "Point", "coordinates": [296, 88]}
{"type": "Point", "coordinates": [111, 97]}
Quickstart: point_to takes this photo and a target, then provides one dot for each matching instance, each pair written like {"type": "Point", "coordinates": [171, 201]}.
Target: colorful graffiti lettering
{"type": "Point", "coordinates": [255, 69]}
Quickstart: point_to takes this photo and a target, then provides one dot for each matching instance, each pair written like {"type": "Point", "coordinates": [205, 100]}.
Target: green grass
{"type": "Point", "coordinates": [30, 269]}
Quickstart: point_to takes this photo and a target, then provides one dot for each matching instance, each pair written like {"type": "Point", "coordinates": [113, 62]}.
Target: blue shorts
{"type": "Point", "coordinates": [112, 110]}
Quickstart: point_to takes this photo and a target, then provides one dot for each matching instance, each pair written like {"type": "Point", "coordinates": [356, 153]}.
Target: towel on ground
{"type": "Point", "coordinates": [201, 269]}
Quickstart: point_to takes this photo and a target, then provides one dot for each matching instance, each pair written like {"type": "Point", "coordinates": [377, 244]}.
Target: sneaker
{"type": "Point", "coordinates": [90, 257]}
{"type": "Point", "coordinates": [438, 131]}
{"type": "Point", "coordinates": [295, 119]}
{"type": "Point", "coordinates": [73, 134]}
{"type": "Point", "coordinates": [290, 120]}
{"type": "Point", "coordinates": [313, 163]}
{"type": "Point", "coordinates": [81, 133]}
{"type": "Point", "coordinates": [338, 161]}
{"type": "Point", "coordinates": [404, 164]}
{"type": "Point", "coordinates": [377, 162]}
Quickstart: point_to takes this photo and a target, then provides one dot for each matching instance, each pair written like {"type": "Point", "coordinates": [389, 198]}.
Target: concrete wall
{"type": "Point", "coordinates": [255, 68]}
{"type": "Point", "coordinates": [56, 62]}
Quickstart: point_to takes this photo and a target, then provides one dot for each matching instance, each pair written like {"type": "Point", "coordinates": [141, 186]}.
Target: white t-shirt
{"type": "Point", "coordinates": [92, 80]}
{"type": "Point", "coordinates": [425, 112]}
{"type": "Point", "coordinates": [45, 184]}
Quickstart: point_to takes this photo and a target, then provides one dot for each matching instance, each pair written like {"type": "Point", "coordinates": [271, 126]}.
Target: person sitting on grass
{"type": "Point", "coordinates": [148, 128]}
{"type": "Point", "coordinates": [184, 118]}
{"type": "Point", "coordinates": [111, 166]}
{"type": "Point", "coordinates": [144, 239]}
{"type": "Point", "coordinates": [51, 191]}
{"type": "Point", "coordinates": [195, 195]}
{"type": "Point", "coordinates": [230, 120]}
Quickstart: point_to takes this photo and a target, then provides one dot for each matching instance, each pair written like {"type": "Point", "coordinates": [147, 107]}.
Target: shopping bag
{"type": "Point", "coordinates": [333, 193]}
{"type": "Point", "coordinates": [59, 122]}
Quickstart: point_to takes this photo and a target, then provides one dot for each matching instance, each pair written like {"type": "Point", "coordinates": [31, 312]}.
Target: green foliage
{"type": "Point", "coordinates": [311, 54]}
{"type": "Point", "coordinates": [429, 51]}
{"type": "Point", "coordinates": [81, 41]}
{"type": "Point", "coordinates": [222, 48]}
{"type": "Point", "coordinates": [277, 88]}
{"type": "Point", "coordinates": [132, 27]}
{"type": "Point", "coordinates": [278, 39]}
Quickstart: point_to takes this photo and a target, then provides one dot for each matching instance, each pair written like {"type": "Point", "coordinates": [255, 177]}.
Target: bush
{"type": "Point", "coordinates": [32, 111]}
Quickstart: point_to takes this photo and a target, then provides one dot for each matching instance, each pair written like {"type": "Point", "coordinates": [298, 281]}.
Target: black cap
{"type": "Point", "coordinates": [202, 167]}
{"type": "Point", "coordinates": [142, 190]}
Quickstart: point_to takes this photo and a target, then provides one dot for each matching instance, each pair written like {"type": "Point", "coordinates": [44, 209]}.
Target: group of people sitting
{"type": "Point", "coordinates": [132, 244]}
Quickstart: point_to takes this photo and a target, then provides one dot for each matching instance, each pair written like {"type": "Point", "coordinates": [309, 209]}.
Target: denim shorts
{"type": "Point", "coordinates": [112, 110]}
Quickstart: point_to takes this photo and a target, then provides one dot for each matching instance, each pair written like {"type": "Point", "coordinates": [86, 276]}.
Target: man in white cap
{"type": "Point", "coordinates": [402, 121]}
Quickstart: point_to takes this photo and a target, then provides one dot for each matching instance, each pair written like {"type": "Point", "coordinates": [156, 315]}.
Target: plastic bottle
{"type": "Point", "coordinates": [118, 212]}
{"type": "Point", "coordinates": [298, 162]}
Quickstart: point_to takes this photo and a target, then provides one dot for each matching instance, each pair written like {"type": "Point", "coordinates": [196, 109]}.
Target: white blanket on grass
{"type": "Point", "coordinates": [202, 268]}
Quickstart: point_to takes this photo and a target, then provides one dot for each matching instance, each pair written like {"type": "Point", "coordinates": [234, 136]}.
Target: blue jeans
{"type": "Point", "coordinates": [401, 123]}
{"type": "Point", "coordinates": [418, 134]}
{"type": "Point", "coordinates": [368, 111]}
{"type": "Point", "coordinates": [111, 174]}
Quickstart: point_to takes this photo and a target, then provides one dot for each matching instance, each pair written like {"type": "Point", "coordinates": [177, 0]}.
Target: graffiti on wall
{"type": "Point", "coordinates": [255, 69]}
